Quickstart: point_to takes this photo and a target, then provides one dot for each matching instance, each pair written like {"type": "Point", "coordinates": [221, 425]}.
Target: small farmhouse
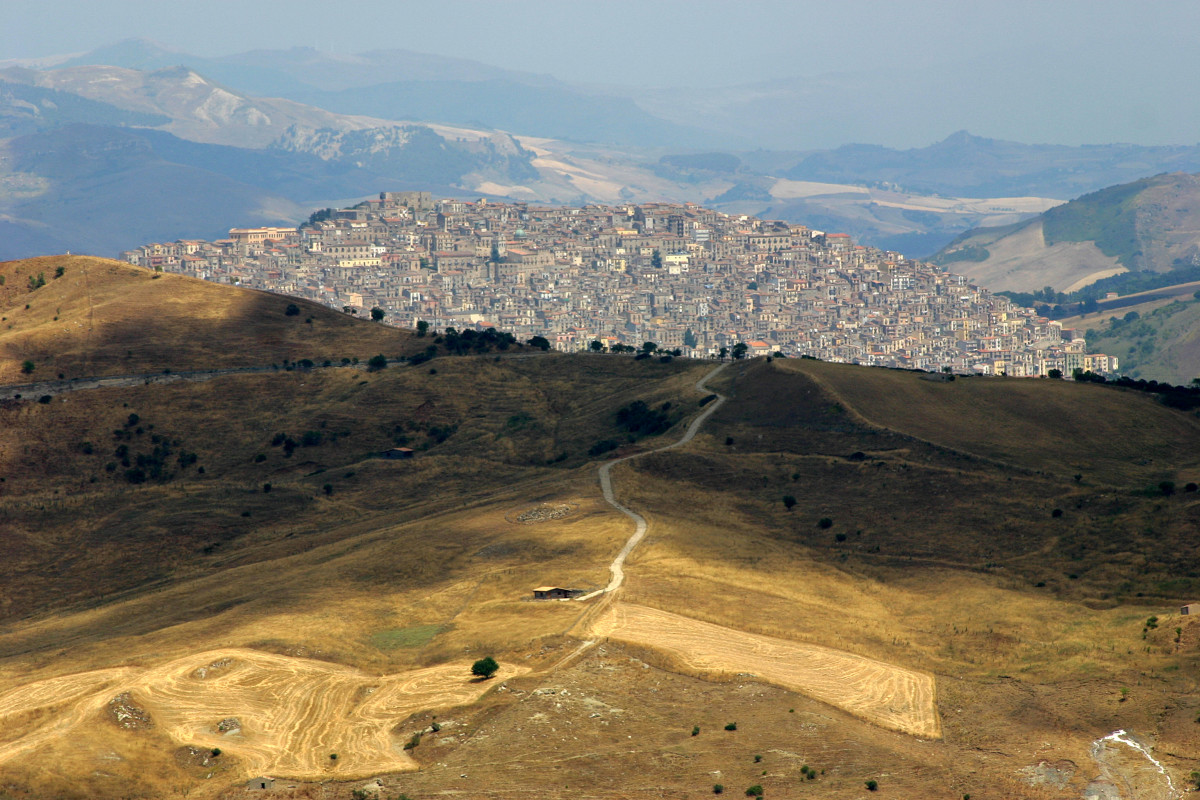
{"type": "Point", "coordinates": [555, 593]}
{"type": "Point", "coordinates": [1190, 608]}
{"type": "Point", "coordinates": [260, 783]}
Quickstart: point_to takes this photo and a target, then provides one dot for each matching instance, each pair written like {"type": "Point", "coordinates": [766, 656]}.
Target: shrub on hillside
{"type": "Point", "coordinates": [485, 667]}
{"type": "Point", "coordinates": [641, 420]}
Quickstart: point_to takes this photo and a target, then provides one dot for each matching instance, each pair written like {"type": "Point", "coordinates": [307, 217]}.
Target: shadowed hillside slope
{"type": "Point", "coordinates": [102, 317]}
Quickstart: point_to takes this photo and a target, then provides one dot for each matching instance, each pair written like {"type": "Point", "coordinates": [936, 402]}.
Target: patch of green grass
{"type": "Point", "coordinates": [413, 636]}
{"type": "Point", "coordinates": [972, 252]}
{"type": "Point", "coordinates": [1105, 217]}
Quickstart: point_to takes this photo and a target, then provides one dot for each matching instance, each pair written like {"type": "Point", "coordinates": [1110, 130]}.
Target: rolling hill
{"type": "Point", "coordinates": [848, 575]}
{"type": "Point", "coordinates": [1159, 341]}
{"type": "Point", "coordinates": [95, 317]}
{"type": "Point", "coordinates": [1148, 225]}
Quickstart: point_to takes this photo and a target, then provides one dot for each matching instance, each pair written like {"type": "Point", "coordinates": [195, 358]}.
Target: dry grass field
{"type": "Point", "coordinates": [103, 317]}
{"type": "Point", "coordinates": [1032, 423]}
{"type": "Point", "coordinates": [292, 714]}
{"type": "Point", "coordinates": [884, 694]}
{"type": "Point", "coordinates": [939, 536]}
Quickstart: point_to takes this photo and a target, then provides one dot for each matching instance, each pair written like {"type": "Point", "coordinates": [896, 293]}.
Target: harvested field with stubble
{"type": "Point", "coordinates": [292, 713]}
{"type": "Point", "coordinates": [884, 694]}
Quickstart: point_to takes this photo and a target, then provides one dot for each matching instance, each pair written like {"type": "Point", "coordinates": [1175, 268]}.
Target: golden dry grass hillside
{"type": "Point", "coordinates": [93, 316]}
{"type": "Point", "coordinates": [849, 575]}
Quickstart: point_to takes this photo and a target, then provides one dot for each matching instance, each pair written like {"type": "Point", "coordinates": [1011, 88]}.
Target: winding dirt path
{"type": "Point", "coordinates": [884, 694]}
{"type": "Point", "coordinates": [617, 568]}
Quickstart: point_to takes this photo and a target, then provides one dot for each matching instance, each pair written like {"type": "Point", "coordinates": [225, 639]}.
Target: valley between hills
{"type": "Point", "coordinates": [848, 575]}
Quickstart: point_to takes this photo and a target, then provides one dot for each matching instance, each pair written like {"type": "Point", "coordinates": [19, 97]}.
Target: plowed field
{"type": "Point", "coordinates": [886, 695]}
{"type": "Point", "coordinates": [293, 712]}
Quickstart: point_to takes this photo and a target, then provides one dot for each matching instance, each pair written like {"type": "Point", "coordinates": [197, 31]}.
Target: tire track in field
{"type": "Point", "coordinates": [293, 712]}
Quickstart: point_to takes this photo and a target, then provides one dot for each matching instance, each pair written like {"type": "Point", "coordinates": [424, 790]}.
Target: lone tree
{"type": "Point", "coordinates": [739, 350]}
{"type": "Point", "coordinates": [540, 342]}
{"type": "Point", "coordinates": [376, 363]}
{"type": "Point", "coordinates": [789, 501]}
{"type": "Point", "coordinates": [377, 314]}
{"type": "Point", "coordinates": [422, 327]}
{"type": "Point", "coordinates": [485, 667]}
{"type": "Point", "coordinates": [28, 367]}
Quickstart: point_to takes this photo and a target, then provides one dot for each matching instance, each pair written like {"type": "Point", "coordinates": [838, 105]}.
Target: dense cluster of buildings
{"type": "Point", "coordinates": [681, 276]}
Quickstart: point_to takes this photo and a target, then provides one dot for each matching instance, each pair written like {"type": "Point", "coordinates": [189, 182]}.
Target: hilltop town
{"type": "Point", "coordinates": [686, 278]}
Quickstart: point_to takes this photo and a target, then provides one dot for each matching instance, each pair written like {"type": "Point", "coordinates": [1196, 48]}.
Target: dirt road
{"type": "Point", "coordinates": [617, 568]}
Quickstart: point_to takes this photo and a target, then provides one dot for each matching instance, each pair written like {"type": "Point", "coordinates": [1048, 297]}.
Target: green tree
{"type": "Point", "coordinates": [292, 310]}
{"type": "Point", "coordinates": [377, 314]}
{"type": "Point", "coordinates": [376, 363]}
{"type": "Point", "coordinates": [422, 327]}
{"type": "Point", "coordinates": [28, 367]}
{"type": "Point", "coordinates": [320, 215]}
{"type": "Point", "coordinates": [540, 342]}
{"type": "Point", "coordinates": [739, 350]}
{"type": "Point", "coordinates": [649, 347]}
{"type": "Point", "coordinates": [789, 502]}
{"type": "Point", "coordinates": [689, 338]}
{"type": "Point", "coordinates": [656, 260]}
{"type": "Point", "coordinates": [724, 353]}
{"type": "Point", "coordinates": [596, 346]}
{"type": "Point", "coordinates": [1056, 374]}
{"type": "Point", "coordinates": [495, 259]}
{"type": "Point", "coordinates": [485, 667]}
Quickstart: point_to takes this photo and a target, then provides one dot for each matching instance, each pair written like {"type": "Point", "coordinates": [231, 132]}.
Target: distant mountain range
{"type": "Point", "coordinates": [403, 85]}
{"type": "Point", "coordinates": [963, 165]}
{"type": "Point", "coordinates": [292, 130]}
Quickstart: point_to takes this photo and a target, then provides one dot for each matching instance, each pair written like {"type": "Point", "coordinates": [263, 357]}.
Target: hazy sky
{"type": "Point", "coordinates": [1046, 70]}
{"type": "Point", "coordinates": [669, 42]}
